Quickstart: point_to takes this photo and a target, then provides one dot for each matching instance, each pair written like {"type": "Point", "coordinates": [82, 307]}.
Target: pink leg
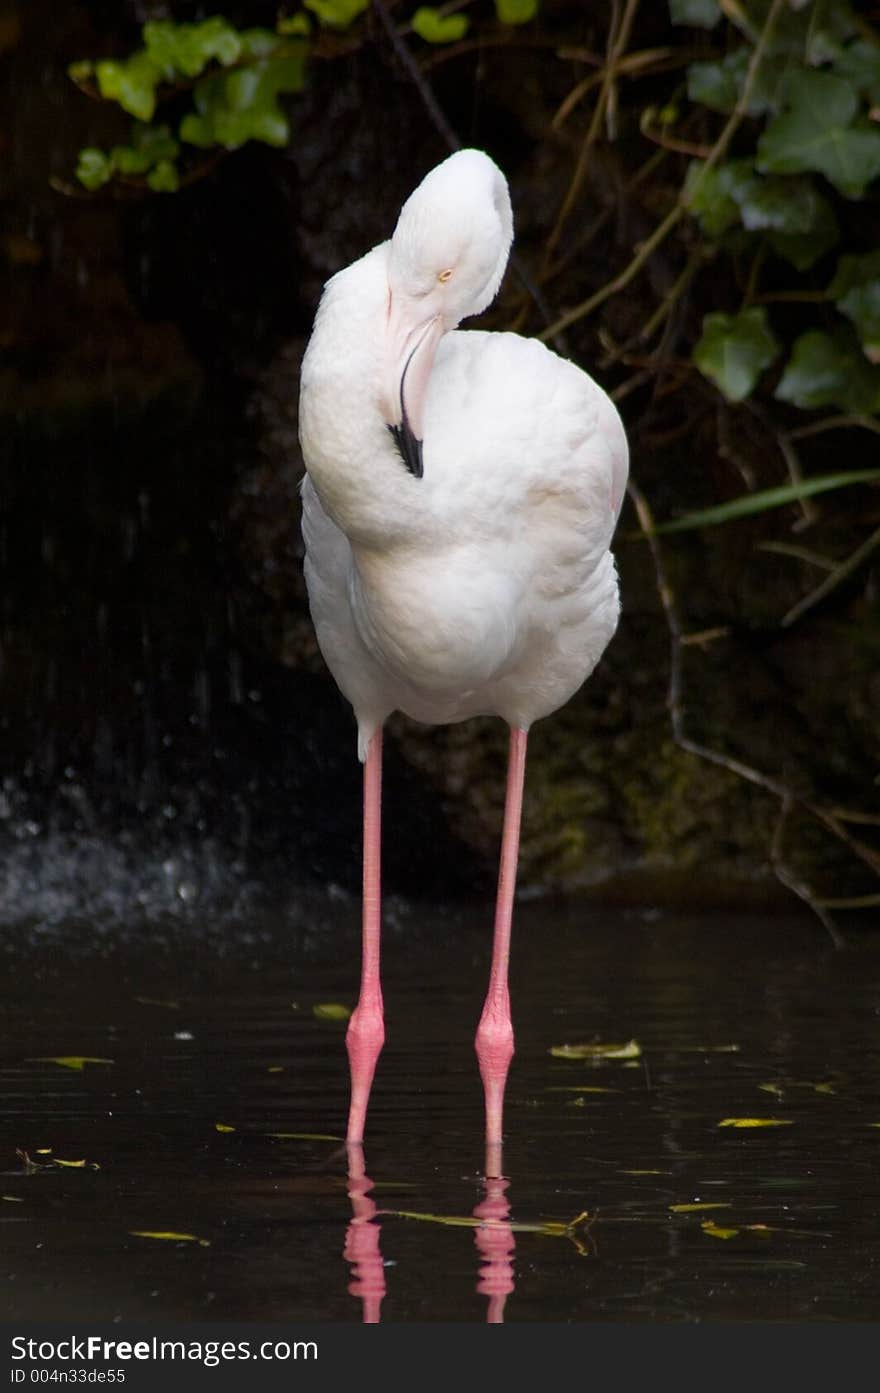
{"type": "Point", "coordinates": [366, 1029]}
{"type": "Point", "coordinates": [495, 1031]}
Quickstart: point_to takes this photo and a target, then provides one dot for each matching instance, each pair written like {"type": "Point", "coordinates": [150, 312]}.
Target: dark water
{"type": "Point", "coordinates": [734, 1018]}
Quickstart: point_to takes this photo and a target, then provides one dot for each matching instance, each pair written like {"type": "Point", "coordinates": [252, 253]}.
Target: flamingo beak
{"type": "Point", "coordinates": [411, 342]}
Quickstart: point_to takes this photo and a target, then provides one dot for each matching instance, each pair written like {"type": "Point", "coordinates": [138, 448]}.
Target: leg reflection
{"type": "Point", "coordinates": [362, 1237]}
{"type": "Point", "coordinates": [494, 1239]}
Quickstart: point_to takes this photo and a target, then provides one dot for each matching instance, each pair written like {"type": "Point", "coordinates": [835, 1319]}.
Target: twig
{"type": "Point", "coordinates": [616, 47]}
{"type": "Point", "coordinates": [415, 75]}
{"type": "Point", "coordinates": [798, 887]}
{"type": "Point", "coordinates": [831, 582]}
{"type": "Point", "coordinates": [674, 216]}
{"type": "Point", "coordinates": [830, 818]}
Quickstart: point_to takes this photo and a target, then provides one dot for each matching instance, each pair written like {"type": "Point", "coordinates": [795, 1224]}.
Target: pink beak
{"type": "Point", "coordinates": [412, 335]}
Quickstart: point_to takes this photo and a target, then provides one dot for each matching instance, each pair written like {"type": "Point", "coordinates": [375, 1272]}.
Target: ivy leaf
{"type": "Point", "coordinates": [859, 65]}
{"type": "Point", "coordinates": [94, 168]}
{"type": "Point", "coordinates": [714, 196]}
{"type": "Point", "coordinates": [132, 84]}
{"type": "Point", "coordinates": [819, 132]}
{"type": "Point", "coordinates": [149, 144]}
{"type": "Point", "coordinates": [735, 349]}
{"type": "Point", "coordinates": [187, 49]}
{"type": "Point", "coordinates": [810, 32]}
{"type": "Point", "coordinates": [830, 370]}
{"type": "Point", "coordinates": [516, 11]}
{"type": "Point", "coordinates": [436, 28]}
{"type": "Point", "coordinates": [802, 249]}
{"type": "Point", "coordinates": [856, 288]}
{"type": "Point", "coordinates": [233, 108]}
{"type": "Point", "coordinates": [702, 14]}
{"type": "Point", "coordinates": [163, 177]}
{"type": "Point", "coordinates": [338, 14]}
{"type": "Point", "coordinates": [719, 85]}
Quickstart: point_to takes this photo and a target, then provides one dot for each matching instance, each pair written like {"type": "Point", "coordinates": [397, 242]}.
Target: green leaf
{"type": "Point", "coordinates": [802, 249]}
{"type": "Point", "coordinates": [436, 28]}
{"type": "Point", "coordinates": [132, 84]}
{"type": "Point", "coordinates": [149, 144]}
{"type": "Point", "coordinates": [859, 65]}
{"type": "Point", "coordinates": [298, 24]}
{"type": "Point", "coordinates": [94, 168]}
{"type": "Point", "coordinates": [702, 14]}
{"type": "Point", "coordinates": [830, 370]}
{"type": "Point", "coordinates": [164, 178]}
{"type": "Point", "coordinates": [719, 85]}
{"type": "Point", "coordinates": [856, 288]}
{"type": "Point", "coordinates": [763, 501]}
{"type": "Point", "coordinates": [735, 349]}
{"type": "Point", "coordinates": [187, 49]}
{"type": "Point", "coordinates": [516, 11]}
{"type": "Point", "coordinates": [819, 131]}
{"type": "Point", "coordinates": [197, 130]}
{"type": "Point", "coordinates": [338, 14]}
{"type": "Point", "coordinates": [259, 43]}
{"type": "Point", "coordinates": [811, 31]}
{"type": "Point", "coordinates": [233, 108]}
{"type": "Point", "coordinates": [714, 195]}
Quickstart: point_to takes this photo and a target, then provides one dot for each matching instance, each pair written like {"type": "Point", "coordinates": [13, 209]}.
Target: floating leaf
{"type": "Point", "coordinates": [820, 131]}
{"type": "Point", "coordinates": [223, 1127]}
{"type": "Point", "coordinates": [856, 289]}
{"type": "Point", "coordinates": [70, 1061]}
{"type": "Point", "coordinates": [765, 499]}
{"type": "Point", "coordinates": [516, 11]}
{"type": "Point", "coordinates": [275, 1069]}
{"type": "Point", "coordinates": [702, 14]}
{"type": "Point", "coordinates": [698, 1205]}
{"type": "Point", "coordinates": [631, 1050]}
{"type": "Point", "coordinates": [551, 1228]}
{"type": "Point", "coordinates": [578, 1088]}
{"type": "Point", "coordinates": [12, 1199]}
{"type": "Point", "coordinates": [773, 1088]}
{"type": "Point", "coordinates": [713, 1231]}
{"type": "Point", "coordinates": [437, 28]}
{"type": "Point", "coordinates": [75, 1165]}
{"type": "Point", "coordinates": [755, 1122]}
{"type": "Point", "coordinates": [331, 1011]}
{"type": "Point", "coordinates": [830, 370]}
{"type": "Point", "coordinates": [735, 349]}
{"type": "Point", "coordinates": [168, 1236]}
{"type": "Point", "coordinates": [303, 1136]}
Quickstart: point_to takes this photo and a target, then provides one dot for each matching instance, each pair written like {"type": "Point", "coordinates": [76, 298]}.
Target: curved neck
{"type": "Point", "coordinates": [348, 450]}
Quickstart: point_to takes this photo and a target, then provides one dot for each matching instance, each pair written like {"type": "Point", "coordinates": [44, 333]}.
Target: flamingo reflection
{"type": "Point", "coordinates": [493, 1236]}
{"type": "Point", "coordinates": [362, 1236]}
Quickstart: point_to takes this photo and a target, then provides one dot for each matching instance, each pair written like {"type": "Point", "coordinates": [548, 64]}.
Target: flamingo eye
{"type": "Point", "coordinates": [444, 276]}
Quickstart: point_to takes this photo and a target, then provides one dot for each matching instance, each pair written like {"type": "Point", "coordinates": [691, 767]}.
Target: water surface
{"type": "Point", "coordinates": [211, 1054]}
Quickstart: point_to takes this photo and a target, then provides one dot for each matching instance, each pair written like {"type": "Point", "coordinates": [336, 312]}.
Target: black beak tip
{"type": "Point", "coordinates": [409, 448]}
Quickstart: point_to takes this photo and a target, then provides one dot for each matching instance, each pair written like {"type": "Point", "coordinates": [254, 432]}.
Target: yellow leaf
{"type": "Point", "coordinates": [75, 1165]}
{"type": "Point", "coordinates": [773, 1088]}
{"type": "Point", "coordinates": [223, 1127]}
{"type": "Point", "coordinates": [275, 1069]}
{"type": "Point", "coordinates": [760, 1228]}
{"type": "Point", "coordinates": [713, 1231]}
{"type": "Point", "coordinates": [578, 1088]}
{"type": "Point", "coordinates": [47, 1150]}
{"type": "Point", "coordinates": [701, 1204]}
{"type": "Point", "coordinates": [631, 1050]}
{"type": "Point", "coordinates": [824, 1088]}
{"type": "Point", "coordinates": [331, 1011]}
{"type": "Point", "coordinates": [302, 1136]}
{"type": "Point", "coordinates": [12, 1199]}
{"type": "Point", "coordinates": [644, 1172]}
{"type": "Point", "coordinates": [69, 1061]}
{"type": "Point", "coordinates": [170, 1237]}
{"type": "Point", "coordinates": [755, 1122]}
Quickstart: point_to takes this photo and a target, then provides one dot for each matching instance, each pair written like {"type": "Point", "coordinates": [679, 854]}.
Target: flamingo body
{"type": "Point", "coordinates": [462, 488]}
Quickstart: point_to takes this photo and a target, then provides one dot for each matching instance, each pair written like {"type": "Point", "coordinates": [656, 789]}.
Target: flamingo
{"type": "Point", "coordinates": [460, 496]}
